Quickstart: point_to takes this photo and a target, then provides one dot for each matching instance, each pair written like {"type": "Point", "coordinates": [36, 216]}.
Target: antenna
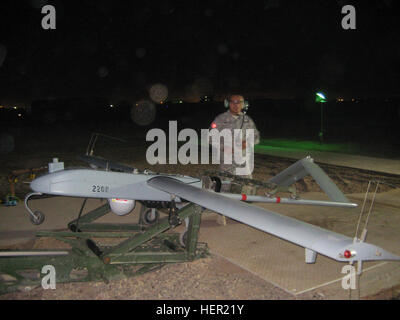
{"type": "Point", "coordinates": [93, 140]}
{"type": "Point", "coordinates": [365, 230]}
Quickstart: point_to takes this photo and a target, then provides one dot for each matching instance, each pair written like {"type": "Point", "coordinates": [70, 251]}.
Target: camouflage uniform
{"type": "Point", "coordinates": [227, 120]}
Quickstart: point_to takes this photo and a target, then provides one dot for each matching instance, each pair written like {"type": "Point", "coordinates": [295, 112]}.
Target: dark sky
{"type": "Point", "coordinates": [120, 48]}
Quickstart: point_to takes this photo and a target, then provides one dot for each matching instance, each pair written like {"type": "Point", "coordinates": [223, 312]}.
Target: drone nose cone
{"type": "Point", "coordinates": [41, 184]}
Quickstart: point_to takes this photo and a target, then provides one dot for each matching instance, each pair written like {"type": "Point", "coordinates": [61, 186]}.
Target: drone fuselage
{"type": "Point", "coordinates": [89, 183]}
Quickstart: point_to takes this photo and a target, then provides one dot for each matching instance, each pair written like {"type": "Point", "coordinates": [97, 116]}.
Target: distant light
{"type": "Point", "coordinates": [180, 101]}
{"type": "Point", "coordinates": [213, 125]}
{"type": "Point", "coordinates": [161, 102]}
{"type": "Point", "coordinates": [1, 107]}
{"type": "Point", "coordinates": [320, 97]}
{"type": "Point", "coordinates": [111, 105]}
{"type": "Point", "coordinates": [19, 115]}
{"type": "Point", "coordinates": [15, 108]}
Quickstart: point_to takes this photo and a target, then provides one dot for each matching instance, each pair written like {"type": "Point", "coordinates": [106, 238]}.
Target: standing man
{"type": "Point", "coordinates": [235, 118]}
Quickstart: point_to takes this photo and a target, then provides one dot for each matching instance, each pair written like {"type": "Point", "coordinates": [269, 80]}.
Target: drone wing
{"type": "Point", "coordinates": [314, 239]}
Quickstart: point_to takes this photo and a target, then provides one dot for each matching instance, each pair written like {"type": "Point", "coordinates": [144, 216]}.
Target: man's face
{"type": "Point", "coordinates": [236, 104]}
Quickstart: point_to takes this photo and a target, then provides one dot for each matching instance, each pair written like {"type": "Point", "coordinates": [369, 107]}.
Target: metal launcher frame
{"type": "Point", "coordinates": [144, 249]}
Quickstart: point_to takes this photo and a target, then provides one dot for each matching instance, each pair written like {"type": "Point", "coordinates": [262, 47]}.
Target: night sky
{"type": "Point", "coordinates": [275, 48]}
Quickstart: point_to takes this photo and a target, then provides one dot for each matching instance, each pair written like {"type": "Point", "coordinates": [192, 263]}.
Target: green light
{"type": "Point", "coordinates": [320, 97]}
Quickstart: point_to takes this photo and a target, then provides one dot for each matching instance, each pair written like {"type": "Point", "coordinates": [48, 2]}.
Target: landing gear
{"type": "Point", "coordinates": [173, 217]}
{"type": "Point", "coordinates": [150, 216]}
{"type": "Point", "coordinates": [36, 217]}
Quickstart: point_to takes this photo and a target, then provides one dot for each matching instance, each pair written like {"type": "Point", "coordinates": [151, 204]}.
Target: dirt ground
{"type": "Point", "coordinates": [210, 278]}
